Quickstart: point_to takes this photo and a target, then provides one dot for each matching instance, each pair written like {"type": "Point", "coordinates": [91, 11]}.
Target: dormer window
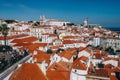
{"type": "Point", "coordinates": [75, 70]}
{"type": "Point", "coordinates": [78, 65]}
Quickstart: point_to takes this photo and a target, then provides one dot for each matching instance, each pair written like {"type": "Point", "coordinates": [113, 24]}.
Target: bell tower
{"type": "Point", "coordinates": [85, 23]}
{"type": "Point", "coordinates": [42, 20]}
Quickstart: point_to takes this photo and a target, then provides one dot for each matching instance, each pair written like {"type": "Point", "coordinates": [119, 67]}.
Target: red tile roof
{"type": "Point", "coordinates": [69, 41]}
{"type": "Point", "coordinates": [84, 58]}
{"type": "Point", "coordinates": [27, 39]}
{"type": "Point", "coordinates": [68, 53]}
{"type": "Point", "coordinates": [101, 72]}
{"type": "Point", "coordinates": [81, 48]}
{"type": "Point", "coordinates": [42, 56]}
{"type": "Point", "coordinates": [117, 69]}
{"type": "Point", "coordinates": [77, 64]}
{"type": "Point", "coordinates": [22, 44]}
{"type": "Point", "coordinates": [28, 71]}
{"type": "Point", "coordinates": [59, 71]}
{"type": "Point", "coordinates": [108, 66]}
{"type": "Point", "coordinates": [41, 44]}
{"type": "Point", "coordinates": [97, 56]}
{"type": "Point", "coordinates": [50, 35]}
{"type": "Point", "coordinates": [113, 77]}
{"type": "Point", "coordinates": [110, 58]}
{"type": "Point", "coordinates": [13, 37]}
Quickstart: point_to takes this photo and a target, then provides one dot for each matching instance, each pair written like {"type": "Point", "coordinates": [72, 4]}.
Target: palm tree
{"type": "Point", "coordinates": [4, 30]}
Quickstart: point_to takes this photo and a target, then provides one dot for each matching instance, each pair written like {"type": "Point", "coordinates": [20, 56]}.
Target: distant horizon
{"type": "Point", "coordinates": [66, 20]}
{"type": "Point", "coordinates": [103, 12]}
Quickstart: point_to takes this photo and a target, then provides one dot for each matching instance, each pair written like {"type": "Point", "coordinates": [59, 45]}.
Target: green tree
{"type": "Point", "coordinates": [4, 30]}
{"type": "Point", "coordinates": [110, 50]}
{"type": "Point", "coordinates": [49, 51]}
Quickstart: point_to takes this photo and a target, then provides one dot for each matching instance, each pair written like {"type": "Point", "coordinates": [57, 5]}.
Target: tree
{"type": "Point", "coordinates": [10, 21]}
{"type": "Point", "coordinates": [110, 50]}
{"type": "Point", "coordinates": [117, 50]}
{"type": "Point", "coordinates": [101, 65]}
{"type": "Point", "coordinates": [35, 24]}
{"type": "Point", "coordinates": [4, 30]}
{"type": "Point", "coordinates": [59, 49]}
{"type": "Point", "coordinates": [49, 51]}
{"type": "Point", "coordinates": [70, 24]}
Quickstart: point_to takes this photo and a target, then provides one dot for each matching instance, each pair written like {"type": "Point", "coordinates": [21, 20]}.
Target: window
{"type": "Point", "coordinates": [75, 70]}
{"type": "Point", "coordinates": [78, 65]}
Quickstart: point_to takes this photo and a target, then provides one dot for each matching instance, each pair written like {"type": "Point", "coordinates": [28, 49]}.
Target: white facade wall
{"type": "Point", "coordinates": [112, 62]}
{"type": "Point", "coordinates": [83, 53]}
{"type": "Point", "coordinates": [69, 46]}
{"type": "Point", "coordinates": [56, 23]}
{"type": "Point", "coordinates": [96, 41]}
{"type": "Point", "coordinates": [57, 43]}
{"type": "Point", "coordinates": [96, 61]}
{"type": "Point", "coordinates": [80, 75]}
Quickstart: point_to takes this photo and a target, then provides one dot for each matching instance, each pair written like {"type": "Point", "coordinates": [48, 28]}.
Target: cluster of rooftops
{"type": "Point", "coordinates": [66, 54]}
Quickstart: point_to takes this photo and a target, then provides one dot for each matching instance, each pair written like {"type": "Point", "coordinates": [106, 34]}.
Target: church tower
{"type": "Point", "coordinates": [85, 23]}
{"type": "Point", "coordinates": [42, 20]}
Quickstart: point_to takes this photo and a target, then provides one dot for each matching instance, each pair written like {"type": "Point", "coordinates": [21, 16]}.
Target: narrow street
{"type": "Point", "coordinates": [4, 74]}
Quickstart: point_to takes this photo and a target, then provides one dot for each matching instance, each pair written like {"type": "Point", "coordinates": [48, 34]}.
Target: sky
{"type": "Point", "coordinates": [103, 12]}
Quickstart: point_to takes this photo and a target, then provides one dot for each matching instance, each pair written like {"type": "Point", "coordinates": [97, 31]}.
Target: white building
{"type": "Point", "coordinates": [110, 42]}
{"type": "Point", "coordinates": [85, 23]}
{"type": "Point", "coordinates": [96, 41]}
{"type": "Point", "coordinates": [52, 22]}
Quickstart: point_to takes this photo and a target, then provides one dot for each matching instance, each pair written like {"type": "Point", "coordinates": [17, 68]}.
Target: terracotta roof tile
{"type": "Point", "coordinates": [51, 35]}
{"type": "Point", "coordinates": [42, 56]}
{"type": "Point", "coordinates": [97, 56]}
{"type": "Point", "coordinates": [81, 48]}
{"type": "Point", "coordinates": [108, 66]}
{"type": "Point", "coordinates": [69, 41]}
{"type": "Point", "coordinates": [41, 44]}
{"type": "Point", "coordinates": [84, 58]}
{"type": "Point", "coordinates": [113, 77]}
{"type": "Point", "coordinates": [101, 72]}
{"type": "Point", "coordinates": [110, 58]}
{"type": "Point", "coordinates": [77, 64]}
{"type": "Point", "coordinates": [27, 39]}
{"type": "Point", "coordinates": [117, 69]}
{"type": "Point", "coordinates": [28, 72]}
{"type": "Point", "coordinates": [22, 44]}
{"type": "Point", "coordinates": [68, 53]}
{"type": "Point", "coordinates": [59, 71]}
{"type": "Point", "coordinates": [13, 37]}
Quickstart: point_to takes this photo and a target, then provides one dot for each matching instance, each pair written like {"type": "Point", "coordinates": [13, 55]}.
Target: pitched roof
{"type": "Point", "coordinates": [59, 71]}
{"type": "Point", "coordinates": [50, 35]}
{"type": "Point", "coordinates": [117, 69]}
{"type": "Point", "coordinates": [68, 53]}
{"type": "Point", "coordinates": [101, 72]}
{"type": "Point", "coordinates": [69, 41]}
{"type": "Point", "coordinates": [110, 58]}
{"type": "Point", "coordinates": [28, 71]}
{"type": "Point", "coordinates": [22, 44]}
{"type": "Point", "coordinates": [13, 37]}
{"type": "Point", "coordinates": [77, 64]}
{"type": "Point", "coordinates": [84, 58]}
{"type": "Point", "coordinates": [42, 56]}
{"type": "Point", "coordinates": [113, 77]}
{"type": "Point", "coordinates": [27, 39]}
{"type": "Point", "coordinates": [108, 66]}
